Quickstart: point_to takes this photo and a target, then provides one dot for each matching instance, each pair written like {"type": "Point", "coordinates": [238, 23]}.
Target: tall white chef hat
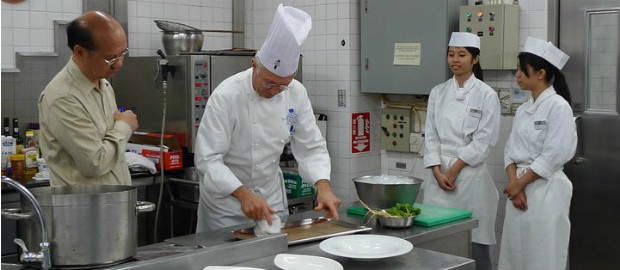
{"type": "Point", "coordinates": [464, 39]}
{"type": "Point", "coordinates": [547, 51]}
{"type": "Point", "coordinates": [288, 31]}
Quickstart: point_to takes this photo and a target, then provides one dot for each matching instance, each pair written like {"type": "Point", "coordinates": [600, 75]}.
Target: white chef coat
{"type": "Point", "coordinates": [464, 123]}
{"type": "Point", "coordinates": [543, 139]}
{"type": "Point", "coordinates": [240, 140]}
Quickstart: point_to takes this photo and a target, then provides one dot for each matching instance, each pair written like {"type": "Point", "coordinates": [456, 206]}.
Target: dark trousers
{"type": "Point", "coordinates": [482, 255]}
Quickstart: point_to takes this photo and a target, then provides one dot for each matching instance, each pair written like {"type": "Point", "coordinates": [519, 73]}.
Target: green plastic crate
{"type": "Point", "coordinates": [295, 186]}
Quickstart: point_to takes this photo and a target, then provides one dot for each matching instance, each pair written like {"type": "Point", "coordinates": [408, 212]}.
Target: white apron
{"type": "Point", "coordinates": [456, 117]}
{"type": "Point", "coordinates": [544, 225]}
{"type": "Point", "coordinates": [543, 139]}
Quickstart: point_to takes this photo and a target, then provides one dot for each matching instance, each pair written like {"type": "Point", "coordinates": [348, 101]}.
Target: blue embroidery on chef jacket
{"type": "Point", "coordinates": [291, 120]}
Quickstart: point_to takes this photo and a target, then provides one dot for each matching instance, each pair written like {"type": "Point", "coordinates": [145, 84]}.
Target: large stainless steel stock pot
{"type": "Point", "coordinates": [87, 226]}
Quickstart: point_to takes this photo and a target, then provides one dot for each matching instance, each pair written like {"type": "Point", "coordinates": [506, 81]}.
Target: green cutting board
{"type": "Point", "coordinates": [431, 215]}
{"type": "Point", "coordinates": [434, 215]}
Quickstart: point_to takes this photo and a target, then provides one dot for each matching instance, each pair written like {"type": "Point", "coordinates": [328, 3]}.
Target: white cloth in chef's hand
{"type": "Point", "coordinates": [135, 160]}
{"type": "Point", "coordinates": [263, 228]}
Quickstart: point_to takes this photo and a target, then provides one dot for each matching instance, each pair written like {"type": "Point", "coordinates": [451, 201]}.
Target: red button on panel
{"type": "Point", "coordinates": [198, 84]}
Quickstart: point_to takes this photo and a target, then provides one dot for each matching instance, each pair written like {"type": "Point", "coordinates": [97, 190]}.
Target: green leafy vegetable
{"type": "Point", "coordinates": [404, 210]}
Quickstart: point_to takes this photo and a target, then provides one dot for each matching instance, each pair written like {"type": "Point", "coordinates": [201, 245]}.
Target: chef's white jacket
{"type": "Point", "coordinates": [464, 123]}
{"type": "Point", "coordinates": [543, 139]}
{"type": "Point", "coordinates": [240, 140]}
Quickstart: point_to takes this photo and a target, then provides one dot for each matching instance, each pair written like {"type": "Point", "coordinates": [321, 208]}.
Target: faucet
{"type": "Point", "coordinates": [43, 255]}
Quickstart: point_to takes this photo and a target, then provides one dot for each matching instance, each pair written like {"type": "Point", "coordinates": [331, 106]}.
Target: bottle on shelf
{"type": "Point", "coordinates": [31, 153]}
{"type": "Point", "coordinates": [16, 131]}
{"type": "Point", "coordinates": [6, 127]}
{"type": "Point", "coordinates": [18, 164]}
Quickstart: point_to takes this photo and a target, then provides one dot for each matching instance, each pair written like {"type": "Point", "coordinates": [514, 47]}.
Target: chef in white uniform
{"type": "Point", "coordinates": [462, 126]}
{"type": "Point", "coordinates": [247, 121]}
{"type": "Point", "coordinates": [543, 138]}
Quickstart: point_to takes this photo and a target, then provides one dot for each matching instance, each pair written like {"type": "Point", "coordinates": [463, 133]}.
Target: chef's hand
{"type": "Point", "coordinates": [513, 188]}
{"type": "Point", "coordinates": [128, 117]}
{"type": "Point", "coordinates": [451, 178]}
{"type": "Point", "coordinates": [519, 201]}
{"type": "Point", "coordinates": [453, 172]}
{"type": "Point", "coordinates": [253, 206]}
{"type": "Point", "coordinates": [326, 199]}
{"type": "Point", "coordinates": [443, 181]}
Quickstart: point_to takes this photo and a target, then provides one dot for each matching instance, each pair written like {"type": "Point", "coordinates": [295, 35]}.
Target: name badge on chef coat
{"type": "Point", "coordinates": [475, 112]}
{"type": "Point", "coordinates": [540, 124]}
{"type": "Point", "coordinates": [291, 120]}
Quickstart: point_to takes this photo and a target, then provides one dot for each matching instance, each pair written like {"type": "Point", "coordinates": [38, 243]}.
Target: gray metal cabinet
{"type": "Point", "coordinates": [417, 31]}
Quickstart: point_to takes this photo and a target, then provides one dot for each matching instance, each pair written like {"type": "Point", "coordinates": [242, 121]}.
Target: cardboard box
{"type": "Point", "coordinates": [147, 144]}
{"type": "Point", "coordinates": [295, 186]}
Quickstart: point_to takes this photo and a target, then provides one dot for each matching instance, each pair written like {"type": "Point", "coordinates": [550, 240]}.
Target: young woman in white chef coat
{"type": "Point", "coordinates": [543, 138]}
{"type": "Point", "coordinates": [462, 126]}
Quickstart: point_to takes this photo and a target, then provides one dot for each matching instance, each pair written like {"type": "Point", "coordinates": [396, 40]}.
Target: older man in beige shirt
{"type": "Point", "coordinates": [82, 135]}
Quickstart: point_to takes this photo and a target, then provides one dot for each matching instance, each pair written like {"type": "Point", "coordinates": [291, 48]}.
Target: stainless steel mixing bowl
{"type": "Point", "coordinates": [176, 42]}
{"type": "Point", "coordinates": [396, 222]}
{"type": "Point", "coordinates": [385, 191]}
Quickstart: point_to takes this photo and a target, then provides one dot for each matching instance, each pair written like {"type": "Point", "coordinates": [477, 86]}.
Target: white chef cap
{"type": "Point", "coordinates": [282, 47]}
{"type": "Point", "coordinates": [464, 39]}
{"type": "Point", "coordinates": [547, 51]}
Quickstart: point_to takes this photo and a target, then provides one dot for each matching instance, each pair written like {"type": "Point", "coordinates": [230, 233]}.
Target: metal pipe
{"type": "Point", "coordinates": [44, 254]}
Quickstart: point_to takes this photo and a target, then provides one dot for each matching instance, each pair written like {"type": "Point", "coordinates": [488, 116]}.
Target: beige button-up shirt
{"type": "Point", "coordinates": [79, 138]}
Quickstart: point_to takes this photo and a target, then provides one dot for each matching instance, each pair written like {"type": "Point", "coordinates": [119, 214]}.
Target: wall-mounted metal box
{"type": "Point", "coordinates": [498, 29]}
{"type": "Point", "coordinates": [404, 44]}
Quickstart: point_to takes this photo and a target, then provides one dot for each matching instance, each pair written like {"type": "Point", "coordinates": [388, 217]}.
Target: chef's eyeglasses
{"type": "Point", "coordinates": [113, 60]}
{"type": "Point", "coordinates": [269, 85]}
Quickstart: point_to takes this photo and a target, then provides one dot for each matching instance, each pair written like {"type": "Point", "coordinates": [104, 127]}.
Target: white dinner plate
{"type": "Point", "coordinates": [366, 246]}
{"type": "Point", "coordinates": [231, 268]}
{"type": "Point", "coordinates": [305, 262]}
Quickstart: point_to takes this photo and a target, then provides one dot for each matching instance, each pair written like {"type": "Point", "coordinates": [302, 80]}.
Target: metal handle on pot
{"type": "Point", "coordinates": [15, 213]}
{"type": "Point", "coordinates": [142, 206]}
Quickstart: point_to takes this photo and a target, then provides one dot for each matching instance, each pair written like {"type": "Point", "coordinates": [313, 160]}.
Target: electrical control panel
{"type": "Point", "coordinates": [498, 29]}
{"type": "Point", "coordinates": [395, 129]}
{"type": "Point", "coordinates": [403, 44]}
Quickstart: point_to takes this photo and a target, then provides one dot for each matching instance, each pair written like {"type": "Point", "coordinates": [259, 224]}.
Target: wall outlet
{"type": "Point", "coordinates": [415, 142]}
{"type": "Point", "coordinates": [401, 165]}
{"type": "Point", "coordinates": [505, 100]}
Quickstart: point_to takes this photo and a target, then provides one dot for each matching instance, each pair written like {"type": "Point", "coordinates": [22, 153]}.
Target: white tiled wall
{"type": "Point", "coordinates": [27, 26]}
{"type": "Point", "coordinates": [145, 37]}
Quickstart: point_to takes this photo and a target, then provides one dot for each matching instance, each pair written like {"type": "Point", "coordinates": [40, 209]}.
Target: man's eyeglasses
{"type": "Point", "coordinates": [269, 85]}
{"type": "Point", "coordinates": [113, 60]}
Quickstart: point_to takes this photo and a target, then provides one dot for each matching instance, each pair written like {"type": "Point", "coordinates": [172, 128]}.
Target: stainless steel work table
{"type": "Point", "coordinates": [418, 258]}
{"type": "Point", "coordinates": [444, 246]}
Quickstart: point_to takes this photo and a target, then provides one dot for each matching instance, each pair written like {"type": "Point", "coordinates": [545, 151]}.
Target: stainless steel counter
{"type": "Point", "coordinates": [196, 259]}
{"type": "Point", "coordinates": [419, 259]}
{"type": "Point", "coordinates": [442, 238]}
